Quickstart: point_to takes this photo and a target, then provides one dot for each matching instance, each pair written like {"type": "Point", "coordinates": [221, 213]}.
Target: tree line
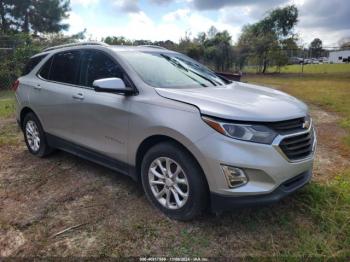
{"type": "Point", "coordinates": [268, 42]}
{"type": "Point", "coordinates": [264, 43]}
{"type": "Point", "coordinates": [31, 25]}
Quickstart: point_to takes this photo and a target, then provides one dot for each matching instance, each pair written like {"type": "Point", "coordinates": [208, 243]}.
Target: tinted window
{"type": "Point", "coordinates": [33, 62]}
{"type": "Point", "coordinates": [45, 70]}
{"type": "Point", "coordinates": [65, 67]}
{"type": "Point", "coordinates": [96, 65]}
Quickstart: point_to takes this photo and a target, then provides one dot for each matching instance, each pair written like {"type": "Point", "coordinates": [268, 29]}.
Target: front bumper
{"type": "Point", "coordinates": [223, 202]}
{"type": "Point", "coordinates": [266, 167]}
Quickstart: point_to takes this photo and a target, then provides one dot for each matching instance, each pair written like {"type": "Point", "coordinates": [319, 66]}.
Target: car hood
{"type": "Point", "coordinates": [239, 101]}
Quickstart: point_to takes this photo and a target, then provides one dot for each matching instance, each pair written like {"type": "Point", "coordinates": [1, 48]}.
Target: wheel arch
{"type": "Point", "coordinates": [153, 140]}
{"type": "Point", "coordinates": [24, 111]}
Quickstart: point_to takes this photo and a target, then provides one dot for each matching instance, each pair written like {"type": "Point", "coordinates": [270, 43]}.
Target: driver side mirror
{"type": "Point", "coordinates": [112, 85]}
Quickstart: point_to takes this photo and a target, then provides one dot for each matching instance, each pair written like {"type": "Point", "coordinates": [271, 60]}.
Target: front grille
{"type": "Point", "coordinates": [288, 126]}
{"type": "Point", "coordinates": [299, 146]}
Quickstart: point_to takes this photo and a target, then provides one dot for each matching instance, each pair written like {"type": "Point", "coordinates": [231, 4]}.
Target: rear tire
{"type": "Point", "coordinates": [173, 181]}
{"type": "Point", "coordinates": [34, 136]}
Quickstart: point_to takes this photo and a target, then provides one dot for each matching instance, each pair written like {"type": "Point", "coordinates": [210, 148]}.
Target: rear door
{"type": "Point", "coordinates": [102, 120]}
{"type": "Point", "coordinates": [53, 97]}
{"type": "Point", "coordinates": [28, 82]}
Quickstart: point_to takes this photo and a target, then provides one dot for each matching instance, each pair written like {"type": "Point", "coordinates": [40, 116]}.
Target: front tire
{"type": "Point", "coordinates": [173, 181]}
{"type": "Point", "coordinates": [34, 136]}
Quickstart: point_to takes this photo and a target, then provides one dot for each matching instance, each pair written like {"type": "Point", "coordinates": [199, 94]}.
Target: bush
{"type": "Point", "coordinates": [12, 61]}
{"type": "Point", "coordinates": [24, 46]}
{"type": "Point", "coordinates": [6, 77]}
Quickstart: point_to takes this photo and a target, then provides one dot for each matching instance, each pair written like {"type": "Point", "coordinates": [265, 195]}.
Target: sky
{"type": "Point", "coordinates": [158, 20]}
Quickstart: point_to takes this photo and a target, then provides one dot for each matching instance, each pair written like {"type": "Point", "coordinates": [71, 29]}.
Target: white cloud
{"type": "Point", "coordinates": [76, 22]}
{"type": "Point", "coordinates": [176, 15]}
{"type": "Point", "coordinates": [140, 18]}
{"type": "Point", "coordinates": [139, 26]}
{"type": "Point", "coordinates": [85, 3]}
{"type": "Point", "coordinates": [173, 26]}
{"type": "Point", "coordinates": [327, 20]}
{"type": "Point", "coordinates": [236, 16]}
{"type": "Point", "coordinates": [315, 18]}
{"type": "Point", "coordinates": [329, 38]}
{"type": "Point", "coordinates": [129, 6]}
{"type": "Point", "coordinates": [196, 22]}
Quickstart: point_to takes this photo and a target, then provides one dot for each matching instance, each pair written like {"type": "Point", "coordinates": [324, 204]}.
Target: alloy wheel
{"type": "Point", "coordinates": [33, 135]}
{"type": "Point", "coordinates": [168, 183]}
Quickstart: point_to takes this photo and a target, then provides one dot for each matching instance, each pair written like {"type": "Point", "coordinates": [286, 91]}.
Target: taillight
{"type": "Point", "coordinates": [15, 85]}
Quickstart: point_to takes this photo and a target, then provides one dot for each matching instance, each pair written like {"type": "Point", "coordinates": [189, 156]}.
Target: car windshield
{"type": "Point", "coordinates": [171, 70]}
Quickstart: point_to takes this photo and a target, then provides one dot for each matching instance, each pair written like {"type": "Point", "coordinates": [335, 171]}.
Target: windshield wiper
{"type": "Point", "coordinates": [174, 62]}
{"type": "Point", "coordinates": [195, 71]}
{"type": "Point", "coordinates": [178, 64]}
{"type": "Point", "coordinates": [207, 79]}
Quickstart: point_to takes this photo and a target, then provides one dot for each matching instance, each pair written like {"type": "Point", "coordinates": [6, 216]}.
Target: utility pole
{"type": "Point", "coordinates": [302, 64]}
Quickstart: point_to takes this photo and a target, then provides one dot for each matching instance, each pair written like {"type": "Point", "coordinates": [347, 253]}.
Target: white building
{"type": "Point", "coordinates": [338, 57]}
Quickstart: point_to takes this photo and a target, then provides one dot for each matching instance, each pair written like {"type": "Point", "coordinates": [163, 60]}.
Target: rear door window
{"type": "Point", "coordinates": [97, 65]}
{"type": "Point", "coordinates": [65, 67]}
{"type": "Point", "coordinates": [33, 62]}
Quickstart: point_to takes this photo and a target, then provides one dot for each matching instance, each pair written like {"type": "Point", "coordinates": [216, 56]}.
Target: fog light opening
{"type": "Point", "coordinates": [235, 176]}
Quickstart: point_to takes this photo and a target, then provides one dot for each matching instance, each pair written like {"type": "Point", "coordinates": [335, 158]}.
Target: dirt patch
{"type": "Point", "coordinates": [41, 197]}
{"type": "Point", "coordinates": [330, 158]}
{"type": "Point", "coordinates": [10, 241]}
{"type": "Point", "coordinates": [5, 122]}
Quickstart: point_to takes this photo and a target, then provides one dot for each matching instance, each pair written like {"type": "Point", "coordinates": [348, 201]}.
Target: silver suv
{"type": "Point", "coordinates": [193, 138]}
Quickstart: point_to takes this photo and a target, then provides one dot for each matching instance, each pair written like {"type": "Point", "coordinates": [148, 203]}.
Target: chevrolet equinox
{"type": "Point", "coordinates": [194, 139]}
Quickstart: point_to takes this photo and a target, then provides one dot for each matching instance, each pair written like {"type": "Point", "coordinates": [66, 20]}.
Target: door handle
{"type": "Point", "coordinates": [78, 96]}
{"type": "Point", "coordinates": [37, 87]}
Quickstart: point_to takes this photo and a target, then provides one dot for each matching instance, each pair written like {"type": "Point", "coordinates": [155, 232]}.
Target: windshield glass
{"type": "Point", "coordinates": [171, 70]}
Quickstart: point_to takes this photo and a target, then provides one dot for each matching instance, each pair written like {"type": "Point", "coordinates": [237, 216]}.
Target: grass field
{"type": "Point", "coordinates": [7, 103]}
{"type": "Point", "coordinates": [329, 202]}
{"type": "Point", "coordinates": [308, 69]}
{"type": "Point", "coordinates": [40, 197]}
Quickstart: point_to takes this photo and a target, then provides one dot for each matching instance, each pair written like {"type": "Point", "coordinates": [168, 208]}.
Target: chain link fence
{"type": "Point", "coordinates": [7, 70]}
{"type": "Point", "coordinates": [15, 49]}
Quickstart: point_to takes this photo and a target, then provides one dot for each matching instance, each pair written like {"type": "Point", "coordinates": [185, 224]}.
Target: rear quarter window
{"type": "Point", "coordinates": [45, 70]}
{"type": "Point", "coordinates": [33, 62]}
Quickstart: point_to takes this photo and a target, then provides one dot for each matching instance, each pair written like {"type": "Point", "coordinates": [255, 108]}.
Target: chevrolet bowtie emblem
{"type": "Point", "coordinates": [306, 124]}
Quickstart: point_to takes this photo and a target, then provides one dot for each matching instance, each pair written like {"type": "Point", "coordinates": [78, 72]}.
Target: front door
{"type": "Point", "coordinates": [101, 120]}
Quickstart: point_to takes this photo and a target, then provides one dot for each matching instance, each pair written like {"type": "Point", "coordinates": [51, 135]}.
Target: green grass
{"type": "Point", "coordinates": [331, 92]}
{"type": "Point", "coordinates": [328, 205]}
{"type": "Point", "coordinates": [189, 244]}
{"type": "Point", "coordinates": [316, 222]}
{"type": "Point", "coordinates": [7, 104]}
{"type": "Point", "coordinates": [6, 94]}
{"type": "Point", "coordinates": [308, 69]}
{"type": "Point", "coordinates": [9, 134]}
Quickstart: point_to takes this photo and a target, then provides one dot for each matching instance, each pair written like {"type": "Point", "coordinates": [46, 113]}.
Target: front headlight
{"type": "Point", "coordinates": [247, 132]}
